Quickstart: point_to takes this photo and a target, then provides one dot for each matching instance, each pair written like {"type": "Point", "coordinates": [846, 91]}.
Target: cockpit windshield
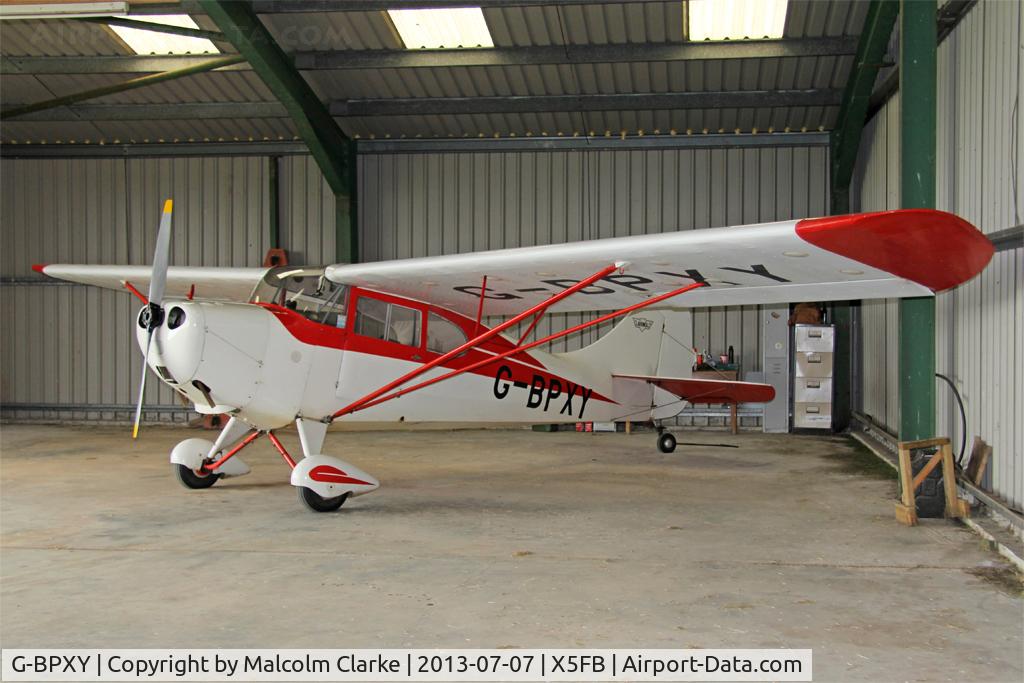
{"type": "Point", "coordinates": [308, 292]}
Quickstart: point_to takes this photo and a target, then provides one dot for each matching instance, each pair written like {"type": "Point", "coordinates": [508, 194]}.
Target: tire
{"type": "Point", "coordinates": [315, 502]}
{"type": "Point", "coordinates": [930, 498]}
{"type": "Point", "coordinates": [191, 480]}
{"type": "Point", "coordinates": [666, 442]}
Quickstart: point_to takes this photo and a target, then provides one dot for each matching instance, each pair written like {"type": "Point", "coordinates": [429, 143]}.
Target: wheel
{"type": "Point", "coordinates": [191, 480]}
{"type": "Point", "coordinates": [666, 442]}
{"type": "Point", "coordinates": [317, 503]}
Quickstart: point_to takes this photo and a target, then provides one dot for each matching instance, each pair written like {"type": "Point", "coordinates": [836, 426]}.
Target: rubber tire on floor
{"type": "Point", "coordinates": [666, 442]}
{"type": "Point", "coordinates": [930, 497]}
{"type": "Point", "coordinates": [317, 503]}
{"type": "Point", "coordinates": [191, 480]}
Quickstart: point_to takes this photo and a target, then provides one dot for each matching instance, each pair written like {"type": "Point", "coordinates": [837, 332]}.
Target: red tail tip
{"type": "Point", "coordinates": [39, 267]}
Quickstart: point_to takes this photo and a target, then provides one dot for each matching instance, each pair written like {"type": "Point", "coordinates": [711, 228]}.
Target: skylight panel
{"type": "Point", "coordinates": [736, 19]}
{"type": "Point", "coordinates": [156, 43]}
{"type": "Point", "coordinates": [442, 28]}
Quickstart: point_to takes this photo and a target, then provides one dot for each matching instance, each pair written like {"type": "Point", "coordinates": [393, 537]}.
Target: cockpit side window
{"type": "Point", "coordinates": [371, 317]}
{"type": "Point", "coordinates": [443, 335]}
{"type": "Point", "coordinates": [389, 322]}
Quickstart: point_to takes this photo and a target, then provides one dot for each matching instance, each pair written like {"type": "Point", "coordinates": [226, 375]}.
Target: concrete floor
{"type": "Point", "coordinates": [500, 539]}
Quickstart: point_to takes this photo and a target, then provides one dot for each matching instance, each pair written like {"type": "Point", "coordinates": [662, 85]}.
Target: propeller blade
{"type": "Point", "coordinates": [153, 314]}
{"type": "Point", "coordinates": [142, 385]}
{"type": "Point", "coordinates": [161, 257]}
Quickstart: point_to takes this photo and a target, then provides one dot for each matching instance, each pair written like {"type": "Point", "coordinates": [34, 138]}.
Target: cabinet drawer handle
{"type": "Point", "coordinates": [813, 409]}
{"type": "Point", "coordinates": [816, 334]}
{"type": "Point", "coordinates": [813, 359]}
{"type": "Point", "coordinates": [814, 385]}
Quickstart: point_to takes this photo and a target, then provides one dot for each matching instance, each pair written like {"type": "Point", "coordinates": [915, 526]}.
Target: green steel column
{"type": "Point", "coordinates": [274, 188]}
{"type": "Point", "coordinates": [917, 190]}
{"type": "Point", "coordinates": [842, 366]}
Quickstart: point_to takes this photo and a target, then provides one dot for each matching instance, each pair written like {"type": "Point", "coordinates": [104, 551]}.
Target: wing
{"type": "Point", "coordinates": [710, 390]}
{"type": "Point", "coordinates": [904, 253]}
{"type": "Point", "coordinates": [220, 284]}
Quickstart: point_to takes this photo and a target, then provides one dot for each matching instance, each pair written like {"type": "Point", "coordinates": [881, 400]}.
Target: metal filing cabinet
{"type": "Point", "coordinates": [813, 350]}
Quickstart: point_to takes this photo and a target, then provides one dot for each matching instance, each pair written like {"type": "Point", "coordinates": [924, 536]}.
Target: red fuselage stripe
{"type": "Point", "coordinates": [315, 334]}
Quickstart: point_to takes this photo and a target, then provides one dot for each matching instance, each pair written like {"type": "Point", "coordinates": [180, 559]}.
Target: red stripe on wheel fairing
{"type": "Point", "coordinates": [332, 475]}
{"type": "Point", "coordinates": [932, 248]}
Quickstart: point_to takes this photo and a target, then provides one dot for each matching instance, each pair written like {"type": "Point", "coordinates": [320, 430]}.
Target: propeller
{"type": "Point", "coordinates": [152, 315]}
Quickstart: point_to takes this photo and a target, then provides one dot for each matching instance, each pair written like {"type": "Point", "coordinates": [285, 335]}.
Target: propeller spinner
{"type": "Point", "coordinates": [152, 316]}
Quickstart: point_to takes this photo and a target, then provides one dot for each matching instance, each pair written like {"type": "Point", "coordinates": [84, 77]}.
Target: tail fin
{"type": "Point", "coordinates": [654, 342]}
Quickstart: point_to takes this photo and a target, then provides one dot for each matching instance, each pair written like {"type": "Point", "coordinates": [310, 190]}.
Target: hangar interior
{"type": "Point", "coordinates": [319, 128]}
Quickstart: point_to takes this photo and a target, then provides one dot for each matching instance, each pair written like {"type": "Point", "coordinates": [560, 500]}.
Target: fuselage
{"type": "Point", "coordinates": [269, 363]}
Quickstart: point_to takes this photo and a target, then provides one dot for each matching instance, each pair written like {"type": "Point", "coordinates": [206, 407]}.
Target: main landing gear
{"type": "Point", "coordinates": [666, 440]}
{"type": "Point", "coordinates": [317, 503]}
{"type": "Point", "coordinates": [192, 479]}
{"type": "Point", "coordinates": [324, 483]}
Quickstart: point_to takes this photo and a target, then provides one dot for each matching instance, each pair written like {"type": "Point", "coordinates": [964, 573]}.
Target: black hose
{"type": "Point", "coordinates": [963, 418]}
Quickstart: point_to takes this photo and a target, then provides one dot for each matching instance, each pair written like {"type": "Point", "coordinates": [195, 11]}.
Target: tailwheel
{"type": "Point", "coordinates": [317, 503]}
{"type": "Point", "coordinates": [191, 480]}
{"type": "Point", "coordinates": [666, 442]}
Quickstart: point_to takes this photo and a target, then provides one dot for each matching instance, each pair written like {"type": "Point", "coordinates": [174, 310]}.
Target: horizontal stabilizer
{"type": "Point", "coordinates": [710, 390]}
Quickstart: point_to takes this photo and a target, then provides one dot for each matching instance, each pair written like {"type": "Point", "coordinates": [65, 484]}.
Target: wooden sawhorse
{"type": "Point", "coordinates": [906, 510]}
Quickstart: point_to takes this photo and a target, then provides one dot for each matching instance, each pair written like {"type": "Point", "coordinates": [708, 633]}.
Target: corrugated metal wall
{"type": "Point", "coordinates": [980, 177]}
{"type": "Point", "coordinates": [307, 211]}
{"type": "Point", "coordinates": [73, 346]}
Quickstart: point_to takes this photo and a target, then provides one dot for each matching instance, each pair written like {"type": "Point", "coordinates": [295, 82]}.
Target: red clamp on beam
{"type": "Point", "coordinates": [275, 257]}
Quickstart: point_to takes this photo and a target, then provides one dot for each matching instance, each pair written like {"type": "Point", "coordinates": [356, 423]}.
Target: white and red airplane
{"type": "Point", "coordinates": [403, 340]}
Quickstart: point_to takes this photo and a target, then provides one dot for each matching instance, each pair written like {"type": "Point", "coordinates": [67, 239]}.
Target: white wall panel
{"type": "Point", "coordinates": [980, 176]}
{"type": "Point", "coordinates": [306, 211]}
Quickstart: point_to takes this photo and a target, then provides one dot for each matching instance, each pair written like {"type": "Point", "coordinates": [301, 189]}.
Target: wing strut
{"type": "Point", "coordinates": [536, 319]}
{"type": "Point", "coordinates": [480, 306]}
{"type": "Point", "coordinates": [378, 396]}
{"type": "Point", "coordinates": [134, 290]}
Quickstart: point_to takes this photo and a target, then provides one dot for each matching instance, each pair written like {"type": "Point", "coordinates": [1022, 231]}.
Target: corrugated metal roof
{"type": "Point", "coordinates": [58, 37]}
{"type": "Point", "coordinates": [612, 23]}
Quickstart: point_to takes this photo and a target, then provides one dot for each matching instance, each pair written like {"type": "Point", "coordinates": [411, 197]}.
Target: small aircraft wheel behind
{"type": "Point", "coordinates": [191, 480]}
{"type": "Point", "coordinates": [666, 442]}
{"type": "Point", "coordinates": [317, 503]}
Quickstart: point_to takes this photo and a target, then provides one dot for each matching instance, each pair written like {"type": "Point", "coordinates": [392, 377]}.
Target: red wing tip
{"type": "Point", "coordinates": [40, 267]}
{"type": "Point", "coordinates": [933, 248]}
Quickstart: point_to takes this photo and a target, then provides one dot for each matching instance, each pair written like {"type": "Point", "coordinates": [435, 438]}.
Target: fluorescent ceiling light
{"type": "Point", "coordinates": [61, 10]}
{"type": "Point", "coordinates": [156, 43]}
{"type": "Point", "coordinates": [736, 19]}
{"type": "Point", "coordinates": [442, 28]}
